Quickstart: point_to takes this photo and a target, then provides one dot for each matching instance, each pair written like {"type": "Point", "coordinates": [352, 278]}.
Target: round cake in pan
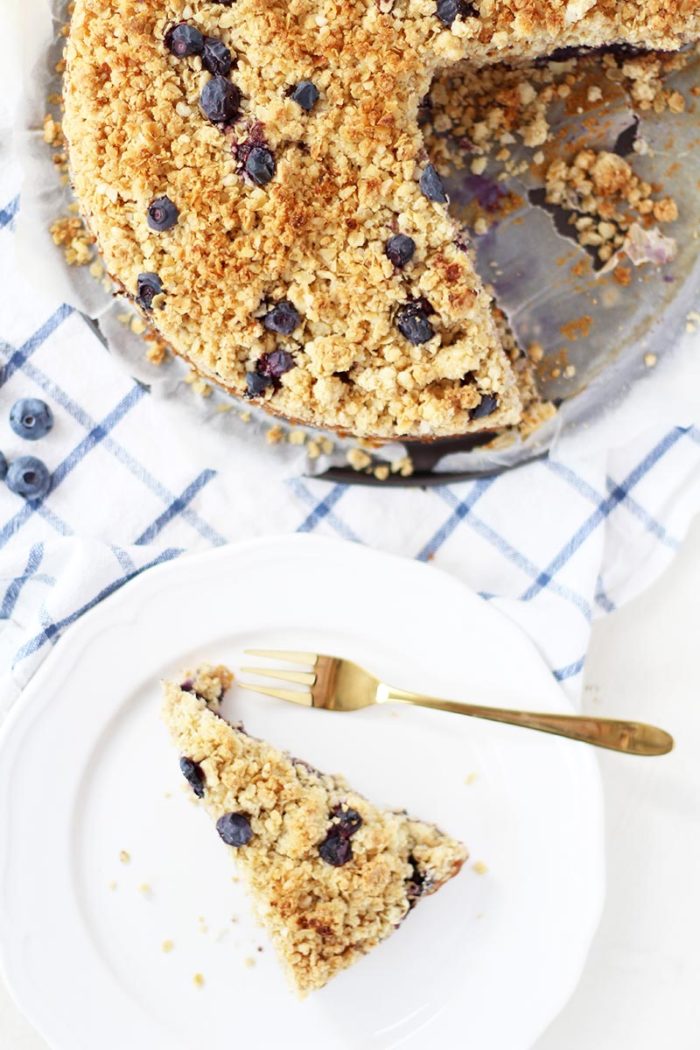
{"type": "Point", "coordinates": [256, 179]}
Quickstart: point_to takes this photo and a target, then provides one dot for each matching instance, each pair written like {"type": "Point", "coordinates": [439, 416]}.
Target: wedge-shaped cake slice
{"type": "Point", "coordinates": [331, 874]}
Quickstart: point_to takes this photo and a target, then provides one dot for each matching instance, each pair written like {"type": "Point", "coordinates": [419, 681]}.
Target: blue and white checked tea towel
{"type": "Point", "coordinates": [137, 481]}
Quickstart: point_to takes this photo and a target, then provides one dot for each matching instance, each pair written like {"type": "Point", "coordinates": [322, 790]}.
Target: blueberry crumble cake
{"type": "Point", "coordinates": [257, 181]}
{"type": "Point", "coordinates": [330, 874]}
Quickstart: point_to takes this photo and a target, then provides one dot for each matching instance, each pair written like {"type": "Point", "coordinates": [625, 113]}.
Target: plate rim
{"type": "Point", "coordinates": [23, 709]}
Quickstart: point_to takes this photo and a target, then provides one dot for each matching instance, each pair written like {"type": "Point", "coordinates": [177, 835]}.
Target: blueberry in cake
{"type": "Point", "coordinates": [234, 157]}
{"type": "Point", "coordinates": [330, 874]}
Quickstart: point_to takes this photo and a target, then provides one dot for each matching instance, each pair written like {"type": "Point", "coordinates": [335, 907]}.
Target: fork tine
{"type": "Point", "coordinates": [294, 696]}
{"type": "Point", "coordinates": [298, 677]}
{"type": "Point", "coordinates": [291, 657]}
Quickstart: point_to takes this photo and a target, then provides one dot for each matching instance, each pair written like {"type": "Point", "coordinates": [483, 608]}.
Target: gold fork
{"type": "Point", "coordinates": [341, 685]}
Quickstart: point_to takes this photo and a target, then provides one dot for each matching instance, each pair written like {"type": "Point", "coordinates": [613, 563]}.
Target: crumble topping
{"type": "Point", "coordinates": [285, 137]}
{"type": "Point", "coordinates": [330, 874]}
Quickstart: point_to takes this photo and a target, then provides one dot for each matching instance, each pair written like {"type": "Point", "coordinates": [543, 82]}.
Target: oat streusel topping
{"type": "Point", "coordinates": [244, 166]}
{"type": "Point", "coordinates": [330, 874]}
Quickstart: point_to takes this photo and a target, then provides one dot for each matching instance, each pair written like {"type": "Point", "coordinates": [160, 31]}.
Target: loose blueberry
{"type": "Point", "coordinates": [182, 40]}
{"type": "Point", "coordinates": [399, 249]}
{"type": "Point", "coordinates": [234, 829]}
{"type": "Point", "coordinates": [431, 185]}
{"type": "Point", "coordinates": [193, 775]}
{"type": "Point", "coordinates": [335, 849]}
{"type": "Point", "coordinates": [219, 100]}
{"type": "Point", "coordinates": [275, 364]}
{"type": "Point", "coordinates": [3, 466]}
{"type": "Point", "coordinates": [349, 821]}
{"type": "Point", "coordinates": [486, 407]}
{"type": "Point", "coordinates": [28, 477]}
{"type": "Point", "coordinates": [413, 324]}
{"type": "Point", "coordinates": [162, 214]}
{"type": "Point", "coordinates": [187, 686]}
{"type": "Point", "coordinates": [305, 94]}
{"type": "Point", "coordinates": [148, 286]}
{"type": "Point", "coordinates": [260, 165]}
{"type": "Point", "coordinates": [282, 318]}
{"type": "Point", "coordinates": [448, 10]}
{"type": "Point", "coordinates": [256, 384]}
{"type": "Point", "coordinates": [216, 57]}
{"type": "Point", "coordinates": [31, 418]}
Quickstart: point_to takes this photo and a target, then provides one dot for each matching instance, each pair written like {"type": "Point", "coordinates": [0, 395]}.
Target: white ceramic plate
{"type": "Point", "coordinates": [86, 771]}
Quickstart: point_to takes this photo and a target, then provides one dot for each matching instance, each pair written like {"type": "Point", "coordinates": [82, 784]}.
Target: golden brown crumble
{"type": "Point", "coordinates": [322, 916]}
{"type": "Point", "coordinates": [347, 177]}
{"type": "Point", "coordinates": [71, 235]}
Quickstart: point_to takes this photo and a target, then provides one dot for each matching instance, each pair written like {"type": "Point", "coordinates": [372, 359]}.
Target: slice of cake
{"type": "Point", "coordinates": [331, 874]}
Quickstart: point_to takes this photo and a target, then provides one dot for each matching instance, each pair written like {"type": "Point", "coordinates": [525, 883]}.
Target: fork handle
{"type": "Point", "coordinates": [634, 738]}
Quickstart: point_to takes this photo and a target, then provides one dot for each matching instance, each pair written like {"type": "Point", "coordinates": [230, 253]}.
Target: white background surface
{"type": "Point", "coordinates": [640, 988]}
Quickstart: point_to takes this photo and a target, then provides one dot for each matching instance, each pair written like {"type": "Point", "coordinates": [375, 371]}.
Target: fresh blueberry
{"type": "Point", "coordinates": [425, 109]}
{"type": "Point", "coordinates": [448, 10]}
{"type": "Point", "coordinates": [28, 477]}
{"type": "Point", "coordinates": [349, 821]}
{"type": "Point", "coordinates": [335, 849]}
{"type": "Point", "coordinates": [31, 418]}
{"type": "Point", "coordinates": [305, 94]}
{"type": "Point", "coordinates": [486, 407]}
{"type": "Point", "coordinates": [256, 384]}
{"type": "Point", "coordinates": [235, 829]}
{"type": "Point", "coordinates": [183, 39]}
{"type": "Point", "coordinates": [162, 214]}
{"type": "Point", "coordinates": [220, 100]}
{"type": "Point", "coordinates": [148, 286]}
{"type": "Point", "coordinates": [413, 324]}
{"type": "Point", "coordinates": [275, 364]}
{"type": "Point", "coordinates": [216, 57]}
{"type": "Point", "coordinates": [282, 318]}
{"type": "Point", "coordinates": [431, 185]}
{"type": "Point", "coordinates": [417, 883]}
{"type": "Point", "coordinates": [260, 165]}
{"type": "Point", "coordinates": [399, 249]}
{"type": "Point", "coordinates": [3, 466]}
{"type": "Point", "coordinates": [193, 775]}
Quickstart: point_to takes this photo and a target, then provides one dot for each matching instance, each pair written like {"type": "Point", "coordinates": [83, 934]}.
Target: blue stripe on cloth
{"type": "Point", "coordinates": [176, 507]}
{"type": "Point", "coordinates": [461, 509]}
{"type": "Point", "coordinates": [323, 510]}
{"type": "Point", "coordinates": [606, 604]}
{"type": "Point", "coordinates": [8, 213]}
{"type": "Point", "coordinates": [52, 630]}
{"type": "Point", "coordinates": [121, 455]}
{"type": "Point", "coordinates": [528, 567]}
{"type": "Point", "coordinates": [562, 673]}
{"type": "Point", "coordinates": [629, 502]}
{"type": "Point", "coordinates": [12, 593]}
{"type": "Point", "coordinates": [90, 441]}
{"type": "Point", "coordinates": [53, 520]}
{"type": "Point", "coordinates": [618, 494]}
{"type": "Point", "coordinates": [35, 340]}
{"type": "Point", "coordinates": [125, 562]}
